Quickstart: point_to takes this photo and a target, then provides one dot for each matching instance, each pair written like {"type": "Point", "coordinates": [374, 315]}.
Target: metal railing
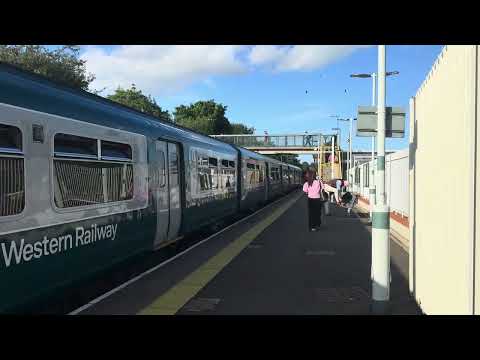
{"type": "Point", "coordinates": [268, 141]}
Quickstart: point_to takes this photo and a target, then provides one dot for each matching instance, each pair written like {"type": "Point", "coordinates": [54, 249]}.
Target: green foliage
{"type": "Point", "coordinates": [60, 65]}
{"type": "Point", "coordinates": [206, 117]}
{"type": "Point", "coordinates": [134, 98]}
{"type": "Point", "coordinates": [237, 128]}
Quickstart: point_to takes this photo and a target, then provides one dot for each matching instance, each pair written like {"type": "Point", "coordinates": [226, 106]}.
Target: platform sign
{"type": "Point", "coordinates": [394, 122]}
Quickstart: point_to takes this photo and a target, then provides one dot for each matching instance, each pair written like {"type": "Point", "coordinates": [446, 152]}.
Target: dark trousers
{"type": "Point", "coordinates": [314, 212]}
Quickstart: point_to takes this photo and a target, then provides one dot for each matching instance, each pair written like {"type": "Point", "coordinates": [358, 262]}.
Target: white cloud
{"type": "Point", "coordinates": [166, 69]}
{"type": "Point", "coordinates": [262, 54]}
{"type": "Point", "coordinates": [160, 69]}
{"type": "Point", "coordinates": [300, 57]}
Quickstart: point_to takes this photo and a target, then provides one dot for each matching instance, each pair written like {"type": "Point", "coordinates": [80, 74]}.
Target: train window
{"type": "Point", "coordinates": [231, 164]}
{"type": "Point", "coordinates": [12, 172]}
{"type": "Point", "coordinates": [203, 179]}
{"type": "Point", "coordinates": [202, 161]}
{"type": "Point", "coordinates": [207, 173]}
{"type": "Point", "coordinates": [81, 179]}
{"type": "Point", "coordinates": [225, 163]}
{"type": "Point", "coordinates": [275, 174]}
{"type": "Point", "coordinates": [75, 146]}
{"type": "Point", "coordinates": [173, 160]}
{"type": "Point", "coordinates": [260, 175]}
{"type": "Point", "coordinates": [161, 169]}
{"type": "Point", "coordinates": [251, 177]}
{"type": "Point", "coordinates": [81, 183]}
{"type": "Point", "coordinates": [228, 178]}
{"type": "Point", "coordinates": [252, 174]}
{"type": "Point", "coordinates": [208, 178]}
{"type": "Point", "coordinates": [10, 139]}
{"type": "Point", "coordinates": [116, 151]}
{"type": "Point", "coordinates": [214, 177]}
{"type": "Point", "coordinates": [366, 175]}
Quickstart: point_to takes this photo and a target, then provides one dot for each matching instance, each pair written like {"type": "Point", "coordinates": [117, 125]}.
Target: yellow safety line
{"type": "Point", "coordinates": [177, 296]}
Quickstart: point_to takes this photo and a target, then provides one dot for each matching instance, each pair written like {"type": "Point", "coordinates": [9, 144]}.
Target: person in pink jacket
{"type": "Point", "coordinates": [313, 189]}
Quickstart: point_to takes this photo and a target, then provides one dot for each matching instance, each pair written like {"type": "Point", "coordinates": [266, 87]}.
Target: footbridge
{"type": "Point", "coordinates": [322, 146]}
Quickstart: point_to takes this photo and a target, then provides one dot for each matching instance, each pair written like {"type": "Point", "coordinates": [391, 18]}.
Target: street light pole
{"type": "Point", "coordinates": [319, 159]}
{"type": "Point", "coordinates": [371, 184]}
{"type": "Point", "coordinates": [332, 163]}
{"type": "Point", "coordinates": [349, 152]}
{"type": "Point", "coordinates": [350, 145]}
{"type": "Point", "coordinates": [380, 221]}
{"type": "Point", "coordinates": [339, 140]}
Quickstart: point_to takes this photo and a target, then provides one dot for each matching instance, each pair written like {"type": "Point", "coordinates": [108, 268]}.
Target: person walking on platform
{"type": "Point", "coordinates": [313, 189]}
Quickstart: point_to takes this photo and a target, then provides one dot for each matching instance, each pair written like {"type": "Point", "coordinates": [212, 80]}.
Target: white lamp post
{"type": "Point", "coordinates": [371, 184]}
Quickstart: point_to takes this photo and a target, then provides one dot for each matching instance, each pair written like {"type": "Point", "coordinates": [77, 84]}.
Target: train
{"type": "Point", "coordinates": [86, 183]}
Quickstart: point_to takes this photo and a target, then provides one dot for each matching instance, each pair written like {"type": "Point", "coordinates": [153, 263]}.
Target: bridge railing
{"type": "Point", "coordinates": [290, 140]}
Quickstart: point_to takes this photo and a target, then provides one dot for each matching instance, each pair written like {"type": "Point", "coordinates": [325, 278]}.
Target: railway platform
{"type": "Point", "coordinates": [266, 264]}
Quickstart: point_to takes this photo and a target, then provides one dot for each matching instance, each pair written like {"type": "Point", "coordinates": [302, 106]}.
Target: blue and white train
{"type": "Point", "coordinates": [86, 183]}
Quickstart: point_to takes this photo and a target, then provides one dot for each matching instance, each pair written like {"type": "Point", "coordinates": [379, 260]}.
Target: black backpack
{"type": "Point", "coordinates": [347, 197]}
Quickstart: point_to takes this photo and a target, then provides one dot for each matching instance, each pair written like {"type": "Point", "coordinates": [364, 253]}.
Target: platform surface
{"type": "Point", "coordinates": [270, 264]}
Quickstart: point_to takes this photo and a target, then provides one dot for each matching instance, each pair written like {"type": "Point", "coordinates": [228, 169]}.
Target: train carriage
{"type": "Point", "coordinates": [86, 183]}
{"type": "Point", "coordinates": [274, 171]}
{"type": "Point", "coordinates": [254, 183]}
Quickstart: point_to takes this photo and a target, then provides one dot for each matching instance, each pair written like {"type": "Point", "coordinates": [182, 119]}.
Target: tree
{"type": "Point", "coordinates": [61, 65]}
{"type": "Point", "coordinates": [237, 128]}
{"type": "Point", "coordinates": [206, 117]}
{"type": "Point", "coordinates": [134, 98]}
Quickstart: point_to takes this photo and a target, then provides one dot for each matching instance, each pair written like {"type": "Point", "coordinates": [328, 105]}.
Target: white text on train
{"type": "Point", "coordinates": [21, 252]}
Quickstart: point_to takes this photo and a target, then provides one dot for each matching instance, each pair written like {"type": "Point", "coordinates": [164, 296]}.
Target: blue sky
{"type": "Point", "coordinates": [265, 86]}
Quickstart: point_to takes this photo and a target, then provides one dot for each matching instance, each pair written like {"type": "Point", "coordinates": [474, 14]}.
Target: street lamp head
{"type": "Point", "coordinates": [392, 73]}
{"type": "Point", "coordinates": [361, 75]}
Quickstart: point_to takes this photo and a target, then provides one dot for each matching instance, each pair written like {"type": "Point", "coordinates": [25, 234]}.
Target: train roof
{"type": "Point", "coordinates": [253, 154]}
{"type": "Point", "coordinates": [28, 90]}
{"type": "Point", "coordinates": [25, 89]}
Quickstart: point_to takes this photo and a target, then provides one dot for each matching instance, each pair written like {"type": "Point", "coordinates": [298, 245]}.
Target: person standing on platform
{"type": "Point", "coordinates": [341, 185]}
{"type": "Point", "coordinates": [313, 189]}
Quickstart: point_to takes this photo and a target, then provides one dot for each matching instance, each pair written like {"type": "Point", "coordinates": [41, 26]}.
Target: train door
{"type": "Point", "coordinates": [166, 191]}
{"type": "Point", "coordinates": [266, 179]}
{"type": "Point", "coordinates": [159, 178]}
{"type": "Point", "coordinates": [283, 185]}
{"type": "Point", "coordinates": [174, 193]}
